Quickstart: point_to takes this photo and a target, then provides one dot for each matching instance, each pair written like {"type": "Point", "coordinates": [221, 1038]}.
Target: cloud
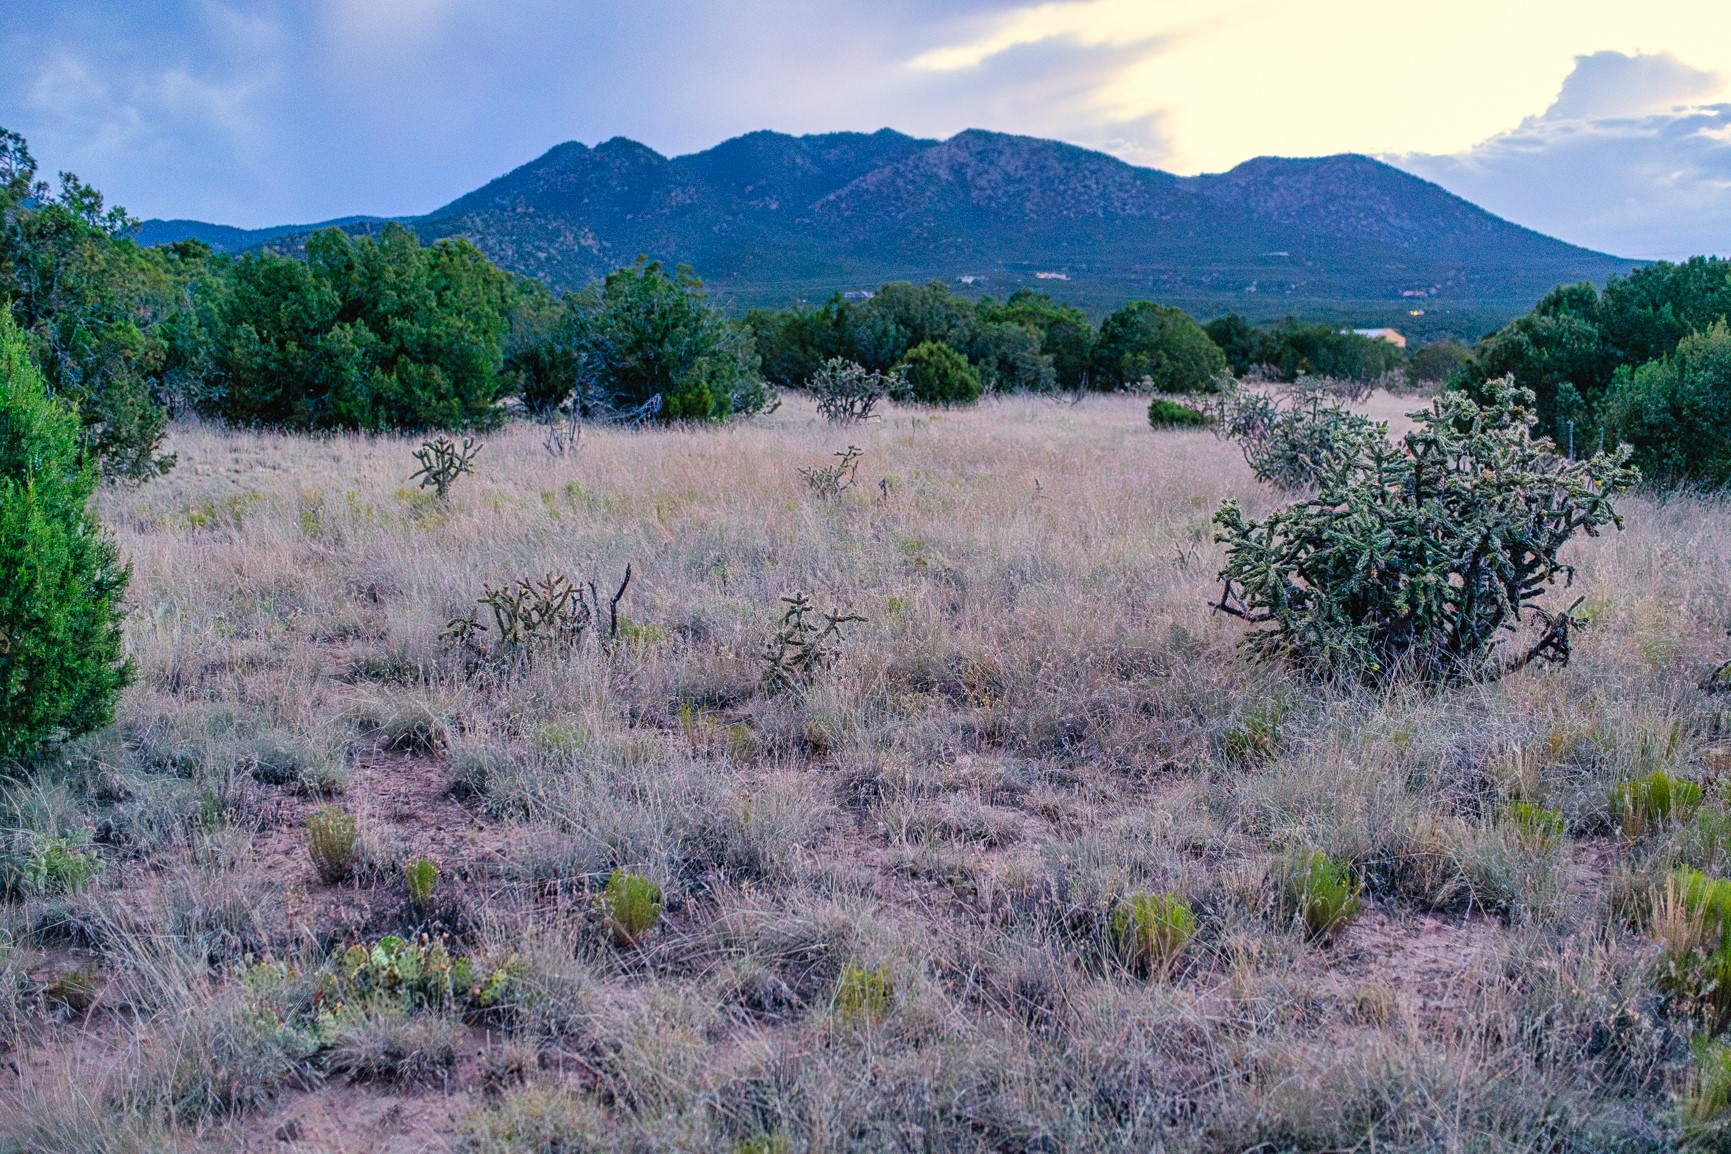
{"type": "Point", "coordinates": [1624, 160]}
{"type": "Point", "coordinates": [1610, 84]}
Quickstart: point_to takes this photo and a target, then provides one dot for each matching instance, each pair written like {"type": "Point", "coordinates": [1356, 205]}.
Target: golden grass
{"type": "Point", "coordinates": [1039, 718]}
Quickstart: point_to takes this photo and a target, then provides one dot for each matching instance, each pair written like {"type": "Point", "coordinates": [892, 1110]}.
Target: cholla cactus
{"type": "Point", "coordinates": [1415, 560]}
{"type": "Point", "coordinates": [529, 617]}
{"type": "Point", "coordinates": [829, 481]}
{"type": "Point", "coordinates": [847, 393]}
{"type": "Point", "coordinates": [801, 646]}
{"type": "Point", "coordinates": [442, 462]}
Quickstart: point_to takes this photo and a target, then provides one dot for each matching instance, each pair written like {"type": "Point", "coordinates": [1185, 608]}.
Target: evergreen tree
{"type": "Point", "coordinates": [61, 578]}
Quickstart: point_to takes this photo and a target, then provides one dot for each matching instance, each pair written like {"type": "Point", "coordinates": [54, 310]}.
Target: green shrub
{"type": "Point", "coordinates": [1150, 931]}
{"type": "Point", "coordinates": [1415, 561]}
{"type": "Point", "coordinates": [331, 842]}
{"type": "Point", "coordinates": [1436, 362]}
{"type": "Point", "coordinates": [935, 374]}
{"type": "Point", "coordinates": [1645, 804]}
{"type": "Point", "coordinates": [1164, 413]}
{"type": "Point", "coordinates": [61, 580]}
{"type": "Point", "coordinates": [1534, 825]}
{"type": "Point", "coordinates": [1145, 345]}
{"type": "Point", "coordinates": [1676, 412]}
{"type": "Point", "coordinates": [1256, 735]}
{"type": "Point", "coordinates": [363, 334]}
{"type": "Point", "coordinates": [632, 905]}
{"type": "Point", "coordinates": [420, 876]}
{"type": "Point", "coordinates": [1692, 920]}
{"type": "Point", "coordinates": [863, 994]}
{"type": "Point", "coordinates": [61, 865]}
{"type": "Point", "coordinates": [1705, 1103]}
{"type": "Point", "coordinates": [1318, 891]}
{"type": "Point", "coordinates": [653, 346]}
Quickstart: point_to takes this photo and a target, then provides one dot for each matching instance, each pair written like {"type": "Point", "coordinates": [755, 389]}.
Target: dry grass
{"type": "Point", "coordinates": [1039, 718]}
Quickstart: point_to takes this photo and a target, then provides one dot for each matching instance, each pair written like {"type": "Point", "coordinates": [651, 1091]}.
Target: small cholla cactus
{"type": "Point", "coordinates": [442, 462]}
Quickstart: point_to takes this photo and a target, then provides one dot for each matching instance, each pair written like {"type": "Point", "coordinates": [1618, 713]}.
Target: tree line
{"type": "Point", "coordinates": [384, 333]}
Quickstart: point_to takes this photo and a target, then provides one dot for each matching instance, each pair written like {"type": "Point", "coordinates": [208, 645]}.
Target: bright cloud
{"type": "Point", "coordinates": [1623, 160]}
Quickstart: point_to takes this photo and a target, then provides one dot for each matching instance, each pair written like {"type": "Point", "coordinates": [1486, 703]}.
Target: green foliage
{"type": "Point", "coordinates": [1676, 411]}
{"type": "Point", "coordinates": [61, 865]}
{"type": "Point", "coordinates": [1655, 802]}
{"type": "Point", "coordinates": [1148, 343]}
{"type": "Point", "coordinates": [1692, 919]}
{"type": "Point", "coordinates": [442, 462]}
{"type": "Point", "coordinates": [632, 905]}
{"type": "Point", "coordinates": [1294, 442]}
{"type": "Point", "coordinates": [1535, 826]}
{"type": "Point", "coordinates": [1165, 413]}
{"type": "Point", "coordinates": [1150, 931]}
{"type": "Point", "coordinates": [938, 375]}
{"type": "Point", "coordinates": [111, 326]}
{"type": "Point", "coordinates": [1237, 339]}
{"type": "Point", "coordinates": [1413, 561]}
{"type": "Point", "coordinates": [331, 843]}
{"type": "Point", "coordinates": [801, 646]}
{"type": "Point", "coordinates": [1570, 349]}
{"type": "Point", "coordinates": [61, 579]}
{"type": "Point", "coordinates": [1256, 736]}
{"type": "Point", "coordinates": [1289, 350]}
{"type": "Point", "coordinates": [1319, 892]}
{"type": "Point", "coordinates": [419, 878]}
{"type": "Point", "coordinates": [1066, 340]}
{"type": "Point", "coordinates": [363, 334]}
{"type": "Point", "coordinates": [1705, 1104]}
{"type": "Point", "coordinates": [862, 994]}
{"type": "Point", "coordinates": [1027, 343]}
{"type": "Point", "coordinates": [650, 344]}
{"type": "Point", "coordinates": [1437, 362]}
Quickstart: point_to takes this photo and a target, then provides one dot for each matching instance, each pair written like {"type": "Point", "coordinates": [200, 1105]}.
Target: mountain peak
{"type": "Point", "coordinates": [767, 215]}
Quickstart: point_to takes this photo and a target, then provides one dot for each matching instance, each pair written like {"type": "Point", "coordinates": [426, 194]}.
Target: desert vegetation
{"type": "Point", "coordinates": [939, 812]}
{"type": "Point", "coordinates": [951, 748]}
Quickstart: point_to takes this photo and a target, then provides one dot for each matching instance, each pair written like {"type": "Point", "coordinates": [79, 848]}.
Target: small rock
{"type": "Point", "coordinates": [289, 1131]}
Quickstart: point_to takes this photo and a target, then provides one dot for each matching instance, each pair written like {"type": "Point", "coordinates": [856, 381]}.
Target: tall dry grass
{"type": "Point", "coordinates": [1039, 717]}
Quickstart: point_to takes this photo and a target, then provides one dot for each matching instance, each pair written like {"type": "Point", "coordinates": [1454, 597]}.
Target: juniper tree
{"type": "Point", "coordinates": [60, 577]}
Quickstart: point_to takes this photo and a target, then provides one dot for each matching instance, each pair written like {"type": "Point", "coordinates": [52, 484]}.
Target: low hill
{"type": "Point", "coordinates": [768, 218]}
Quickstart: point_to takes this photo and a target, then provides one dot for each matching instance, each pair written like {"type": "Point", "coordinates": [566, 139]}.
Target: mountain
{"type": "Point", "coordinates": [767, 218]}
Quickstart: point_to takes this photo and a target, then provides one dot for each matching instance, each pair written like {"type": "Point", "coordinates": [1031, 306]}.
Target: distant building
{"type": "Point", "coordinates": [1388, 335]}
{"type": "Point", "coordinates": [968, 279]}
{"type": "Point", "coordinates": [1053, 275]}
{"type": "Point", "coordinates": [858, 295]}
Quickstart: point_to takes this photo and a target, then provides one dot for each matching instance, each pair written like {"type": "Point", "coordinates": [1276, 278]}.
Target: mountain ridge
{"type": "Point", "coordinates": [768, 217]}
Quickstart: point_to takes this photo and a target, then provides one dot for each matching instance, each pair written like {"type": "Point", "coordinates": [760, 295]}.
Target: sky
{"type": "Point", "coordinates": [1606, 124]}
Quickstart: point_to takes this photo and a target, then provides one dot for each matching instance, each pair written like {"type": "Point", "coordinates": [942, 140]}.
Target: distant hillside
{"type": "Point", "coordinates": [768, 218]}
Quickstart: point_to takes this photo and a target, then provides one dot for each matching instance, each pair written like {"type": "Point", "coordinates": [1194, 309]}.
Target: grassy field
{"type": "Point", "coordinates": [889, 897]}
